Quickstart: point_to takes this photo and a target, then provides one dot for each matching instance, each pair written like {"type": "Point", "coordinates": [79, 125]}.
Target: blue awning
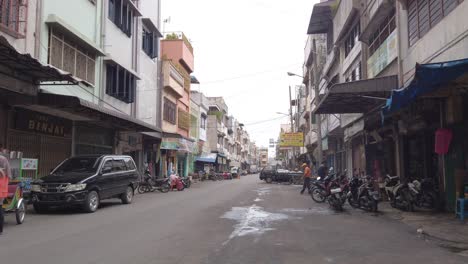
{"type": "Point", "coordinates": [428, 78]}
{"type": "Point", "coordinates": [208, 158]}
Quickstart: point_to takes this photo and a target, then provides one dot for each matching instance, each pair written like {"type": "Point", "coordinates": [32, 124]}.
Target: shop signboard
{"type": "Point", "coordinates": [29, 164]}
{"type": "Point", "coordinates": [291, 139]}
{"type": "Point", "coordinates": [42, 123]}
{"type": "Point", "coordinates": [383, 56]}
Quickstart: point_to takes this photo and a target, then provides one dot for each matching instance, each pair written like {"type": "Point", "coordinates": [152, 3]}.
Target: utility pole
{"type": "Point", "coordinates": [318, 117]}
{"type": "Point", "coordinates": [292, 127]}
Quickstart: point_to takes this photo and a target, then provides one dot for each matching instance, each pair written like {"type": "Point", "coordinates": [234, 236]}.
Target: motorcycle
{"type": "Point", "coordinates": [362, 194]}
{"type": "Point", "coordinates": [337, 196]}
{"type": "Point", "coordinates": [150, 185]}
{"type": "Point", "coordinates": [322, 189]}
{"type": "Point", "coordinates": [186, 181]}
{"type": "Point", "coordinates": [398, 193]}
{"type": "Point", "coordinates": [353, 194]}
{"type": "Point", "coordinates": [423, 193]}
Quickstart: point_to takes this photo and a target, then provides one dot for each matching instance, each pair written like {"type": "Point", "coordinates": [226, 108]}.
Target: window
{"type": "Point", "coordinates": [352, 39]}
{"type": "Point", "coordinates": [355, 74]}
{"type": "Point", "coordinates": [129, 163]}
{"type": "Point", "coordinates": [150, 43]}
{"type": "Point", "coordinates": [380, 35]}
{"type": "Point", "coordinates": [65, 54]}
{"type": "Point", "coordinates": [184, 119]}
{"type": "Point", "coordinates": [119, 165]}
{"type": "Point", "coordinates": [107, 164]}
{"type": "Point", "coordinates": [120, 83]}
{"type": "Point", "coordinates": [121, 14]}
{"type": "Point", "coordinates": [203, 121]}
{"type": "Point", "coordinates": [169, 111]}
{"type": "Point", "coordinates": [13, 17]}
{"type": "Point", "coordinates": [425, 14]}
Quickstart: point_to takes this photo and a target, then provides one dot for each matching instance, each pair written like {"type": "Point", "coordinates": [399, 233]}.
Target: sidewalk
{"type": "Point", "coordinates": [443, 228]}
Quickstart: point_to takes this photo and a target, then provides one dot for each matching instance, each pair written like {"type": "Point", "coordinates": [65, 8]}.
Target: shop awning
{"type": "Point", "coordinates": [176, 142]}
{"type": "Point", "coordinates": [427, 79]}
{"type": "Point", "coordinates": [321, 19]}
{"type": "Point", "coordinates": [26, 68]}
{"type": "Point", "coordinates": [82, 110]}
{"type": "Point", "coordinates": [207, 158]}
{"type": "Point", "coordinates": [357, 97]}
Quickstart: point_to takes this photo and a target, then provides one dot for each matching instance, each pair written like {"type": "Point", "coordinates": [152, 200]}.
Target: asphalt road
{"type": "Point", "coordinates": [239, 221]}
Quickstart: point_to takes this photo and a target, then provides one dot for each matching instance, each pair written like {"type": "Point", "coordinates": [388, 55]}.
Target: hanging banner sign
{"type": "Point", "coordinates": [292, 139]}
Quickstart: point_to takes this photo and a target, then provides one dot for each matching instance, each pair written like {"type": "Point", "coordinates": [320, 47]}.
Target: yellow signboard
{"type": "Point", "coordinates": [292, 139]}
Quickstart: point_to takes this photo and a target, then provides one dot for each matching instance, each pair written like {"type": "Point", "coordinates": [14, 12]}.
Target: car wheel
{"type": "Point", "coordinates": [127, 197]}
{"type": "Point", "coordinates": [20, 213]}
{"type": "Point", "coordinates": [269, 180]}
{"type": "Point", "coordinates": [40, 209]}
{"type": "Point", "coordinates": [92, 202]}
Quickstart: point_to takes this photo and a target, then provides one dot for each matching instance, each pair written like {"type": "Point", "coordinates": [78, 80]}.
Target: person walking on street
{"type": "Point", "coordinates": [5, 173]}
{"type": "Point", "coordinates": [307, 175]}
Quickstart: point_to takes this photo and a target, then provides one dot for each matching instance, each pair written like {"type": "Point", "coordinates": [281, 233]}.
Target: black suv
{"type": "Point", "coordinates": [85, 181]}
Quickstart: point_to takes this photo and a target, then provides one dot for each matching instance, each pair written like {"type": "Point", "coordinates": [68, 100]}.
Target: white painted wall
{"type": "Point", "coordinates": [118, 45]}
{"type": "Point", "coordinates": [83, 17]}
{"type": "Point", "coordinates": [448, 40]}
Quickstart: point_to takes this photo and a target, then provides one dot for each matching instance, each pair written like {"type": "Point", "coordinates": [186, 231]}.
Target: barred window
{"type": "Point", "coordinates": [13, 14]}
{"type": "Point", "coordinates": [69, 56]}
{"type": "Point", "coordinates": [120, 83]}
{"type": "Point", "coordinates": [121, 14]}
{"type": "Point", "coordinates": [425, 14]}
{"type": "Point", "coordinates": [352, 39]}
{"type": "Point", "coordinates": [169, 111]}
{"type": "Point", "coordinates": [150, 43]}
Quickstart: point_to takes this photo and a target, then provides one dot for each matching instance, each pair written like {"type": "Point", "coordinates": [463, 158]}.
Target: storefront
{"type": "Point", "coordinates": [205, 162]}
{"type": "Point", "coordinates": [152, 153]}
{"type": "Point", "coordinates": [33, 134]}
{"type": "Point", "coordinates": [40, 136]}
{"type": "Point", "coordinates": [432, 102]}
{"type": "Point", "coordinates": [175, 152]}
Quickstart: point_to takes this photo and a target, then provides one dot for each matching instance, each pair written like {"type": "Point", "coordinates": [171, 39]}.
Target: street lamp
{"type": "Point", "coordinates": [293, 74]}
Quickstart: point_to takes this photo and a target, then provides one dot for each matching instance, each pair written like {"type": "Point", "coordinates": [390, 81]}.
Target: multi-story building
{"type": "Point", "coordinates": [217, 131]}
{"type": "Point", "coordinates": [382, 54]}
{"type": "Point", "coordinates": [93, 101]}
{"type": "Point", "coordinates": [178, 64]}
{"type": "Point", "coordinates": [205, 160]}
{"type": "Point", "coordinates": [263, 157]}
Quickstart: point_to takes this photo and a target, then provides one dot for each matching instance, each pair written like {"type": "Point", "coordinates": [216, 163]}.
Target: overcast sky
{"type": "Point", "coordinates": [243, 50]}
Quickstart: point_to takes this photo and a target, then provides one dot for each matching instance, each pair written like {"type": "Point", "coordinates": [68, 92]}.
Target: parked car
{"type": "Point", "coordinates": [271, 174]}
{"type": "Point", "coordinates": [86, 180]}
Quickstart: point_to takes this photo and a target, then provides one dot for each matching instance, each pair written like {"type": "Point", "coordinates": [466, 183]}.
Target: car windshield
{"type": "Point", "coordinates": [78, 165]}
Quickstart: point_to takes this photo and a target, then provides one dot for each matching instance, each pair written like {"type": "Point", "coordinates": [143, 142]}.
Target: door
{"type": "Point", "coordinates": [121, 176]}
{"type": "Point", "coordinates": [104, 180]}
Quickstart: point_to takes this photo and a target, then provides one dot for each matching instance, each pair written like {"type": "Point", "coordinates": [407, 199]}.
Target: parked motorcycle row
{"type": "Point", "coordinates": [361, 192]}
{"type": "Point", "coordinates": [164, 185]}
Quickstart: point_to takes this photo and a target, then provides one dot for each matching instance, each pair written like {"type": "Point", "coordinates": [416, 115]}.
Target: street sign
{"type": "Point", "coordinates": [291, 139]}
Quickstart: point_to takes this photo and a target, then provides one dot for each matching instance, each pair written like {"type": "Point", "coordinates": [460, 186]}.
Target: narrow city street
{"type": "Point", "coordinates": [238, 221]}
